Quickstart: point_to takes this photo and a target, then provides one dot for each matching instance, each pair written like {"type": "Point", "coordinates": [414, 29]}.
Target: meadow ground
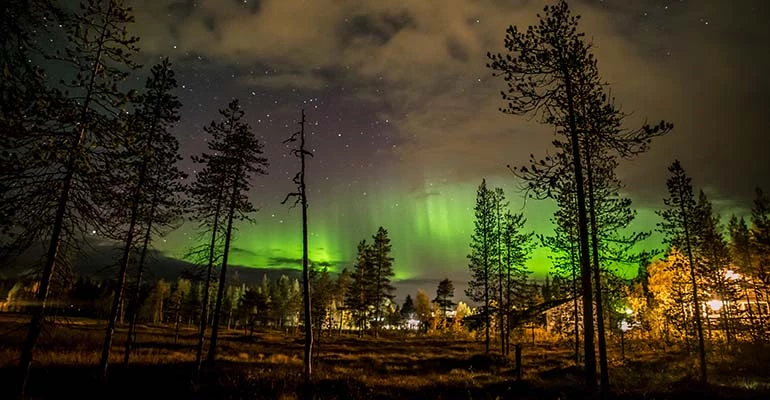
{"type": "Point", "coordinates": [268, 365]}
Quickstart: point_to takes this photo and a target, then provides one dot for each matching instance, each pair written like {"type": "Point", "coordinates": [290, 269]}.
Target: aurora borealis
{"type": "Point", "coordinates": [404, 119]}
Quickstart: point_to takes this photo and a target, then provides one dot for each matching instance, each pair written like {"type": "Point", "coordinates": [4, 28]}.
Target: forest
{"type": "Point", "coordinates": [89, 153]}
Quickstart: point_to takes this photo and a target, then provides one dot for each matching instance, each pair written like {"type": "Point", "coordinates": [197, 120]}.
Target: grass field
{"type": "Point", "coordinates": [268, 365]}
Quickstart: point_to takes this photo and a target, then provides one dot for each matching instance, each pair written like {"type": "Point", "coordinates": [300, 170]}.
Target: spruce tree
{"type": "Point", "coordinates": [381, 273]}
{"type": "Point", "coordinates": [357, 299]}
{"type": "Point", "coordinates": [679, 226]}
{"type": "Point", "coordinates": [407, 309]}
{"type": "Point", "coordinates": [516, 250]}
{"type": "Point", "coordinates": [444, 294]}
{"type": "Point", "coordinates": [480, 287]}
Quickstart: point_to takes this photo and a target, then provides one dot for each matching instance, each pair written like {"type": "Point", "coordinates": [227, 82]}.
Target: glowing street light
{"type": "Point", "coordinates": [732, 275]}
{"type": "Point", "coordinates": [624, 327]}
{"type": "Point", "coordinates": [715, 304]}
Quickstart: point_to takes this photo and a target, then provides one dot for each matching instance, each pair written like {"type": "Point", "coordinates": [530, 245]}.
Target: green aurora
{"type": "Point", "coordinates": [430, 232]}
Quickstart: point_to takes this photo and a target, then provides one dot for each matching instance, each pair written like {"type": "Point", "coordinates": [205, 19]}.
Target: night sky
{"type": "Point", "coordinates": [404, 121]}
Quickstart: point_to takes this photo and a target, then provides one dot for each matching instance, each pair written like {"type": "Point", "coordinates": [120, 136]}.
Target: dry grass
{"type": "Point", "coordinates": [269, 365]}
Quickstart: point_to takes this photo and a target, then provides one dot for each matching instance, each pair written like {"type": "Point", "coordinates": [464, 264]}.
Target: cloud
{"type": "Point", "coordinates": [427, 63]}
{"type": "Point", "coordinates": [300, 80]}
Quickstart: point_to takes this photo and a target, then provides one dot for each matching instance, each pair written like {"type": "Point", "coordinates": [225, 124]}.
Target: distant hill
{"type": "Point", "coordinates": [100, 262]}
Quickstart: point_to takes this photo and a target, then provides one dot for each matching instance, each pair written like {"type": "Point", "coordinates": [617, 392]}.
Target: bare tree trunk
{"type": "Point", "coordinates": [206, 288]}
{"type": "Point", "coordinates": [38, 318]}
{"type": "Point", "coordinates": [122, 274]}
{"type": "Point", "coordinates": [223, 274]}
{"type": "Point", "coordinates": [575, 299]}
{"type": "Point", "coordinates": [305, 267]}
{"type": "Point", "coordinates": [131, 337]}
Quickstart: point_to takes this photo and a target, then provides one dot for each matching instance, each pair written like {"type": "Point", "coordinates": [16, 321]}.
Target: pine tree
{"type": "Point", "coordinates": [156, 203]}
{"type": "Point", "coordinates": [553, 45]}
{"type": "Point", "coordinates": [357, 299]}
{"type": "Point", "coordinates": [569, 96]}
{"type": "Point", "coordinates": [71, 158]}
{"type": "Point", "coordinates": [444, 294]}
{"type": "Point", "coordinates": [743, 256]}
{"type": "Point", "coordinates": [153, 181]}
{"type": "Point", "coordinates": [241, 158]}
{"type": "Point", "coordinates": [516, 250]}
{"type": "Point", "coordinates": [208, 214]}
{"type": "Point", "coordinates": [714, 257]}
{"type": "Point", "coordinates": [481, 256]}
{"type": "Point", "coordinates": [407, 309]}
{"type": "Point", "coordinates": [381, 272]}
{"type": "Point", "coordinates": [679, 225]}
{"type": "Point", "coordinates": [344, 281]}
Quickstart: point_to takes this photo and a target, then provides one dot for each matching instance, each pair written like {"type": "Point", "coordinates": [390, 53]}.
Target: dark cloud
{"type": "Point", "coordinates": [408, 106]}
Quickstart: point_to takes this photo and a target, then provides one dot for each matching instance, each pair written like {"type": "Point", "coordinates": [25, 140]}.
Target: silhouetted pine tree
{"type": "Point", "coordinates": [516, 248]}
{"type": "Point", "coordinates": [207, 199]}
{"type": "Point", "coordinates": [157, 182]}
{"type": "Point", "coordinates": [407, 309]}
{"type": "Point", "coordinates": [381, 272]}
{"type": "Point", "coordinates": [357, 299]}
{"type": "Point", "coordinates": [679, 225]}
{"type": "Point", "coordinates": [74, 165]}
{"type": "Point", "coordinates": [241, 157]}
{"type": "Point", "coordinates": [444, 293]}
{"type": "Point", "coordinates": [481, 257]}
{"type": "Point", "coordinates": [556, 46]}
{"type": "Point", "coordinates": [714, 259]}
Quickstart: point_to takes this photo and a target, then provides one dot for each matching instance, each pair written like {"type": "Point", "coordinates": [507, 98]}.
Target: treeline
{"type": "Point", "coordinates": [87, 155]}
{"type": "Point", "coordinates": [712, 284]}
{"type": "Point", "coordinates": [551, 73]}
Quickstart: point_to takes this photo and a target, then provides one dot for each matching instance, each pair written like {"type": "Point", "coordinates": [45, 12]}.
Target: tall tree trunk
{"type": "Point", "coordinates": [223, 273]}
{"type": "Point", "coordinates": [696, 303]}
{"type": "Point", "coordinates": [222, 279]}
{"type": "Point", "coordinates": [203, 322]}
{"type": "Point", "coordinates": [575, 298]}
{"type": "Point", "coordinates": [122, 274]}
{"type": "Point", "coordinates": [41, 297]}
{"type": "Point", "coordinates": [585, 265]}
{"type": "Point", "coordinates": [131, 336]}
{"type": "Point", "coordinates": [305, 267]}
{"type": "Point", "coordinates": [501, 317]}
{"type": "Point", "coordinates": [486, 297]}
{"type": "Point", "coordinates": [603, 367]}
{"type": "Point", "coordinates": [508, 307]}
